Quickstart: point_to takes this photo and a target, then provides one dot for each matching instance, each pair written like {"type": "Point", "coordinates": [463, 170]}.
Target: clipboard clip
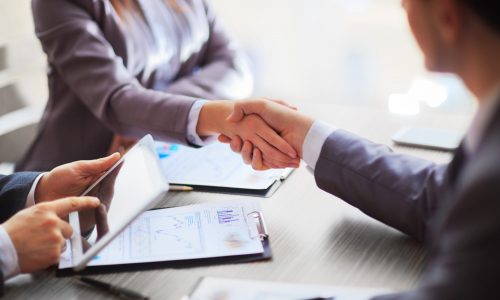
{"type": "Point", "coordinates": [258, 218]}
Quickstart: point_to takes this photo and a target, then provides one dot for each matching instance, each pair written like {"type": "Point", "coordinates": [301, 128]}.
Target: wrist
{"type": "Point", "coordinates": [303, 125]}
{"type": "Point", "coordinates": [41, 189]}
{"type": "Point", "coordinates": [213, 115]}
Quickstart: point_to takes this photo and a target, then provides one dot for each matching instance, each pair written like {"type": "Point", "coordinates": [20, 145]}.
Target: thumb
{"type": "Point", "coordinates": [246, 107]}
{"type": "Point", "coordinates": [284, 103]}
{"type": "Point", "coordinates": [98, 166]}
{"type": "Point", "coordinates": [238, 113]}
{"type": "Point", "coordinates": [63, 207]}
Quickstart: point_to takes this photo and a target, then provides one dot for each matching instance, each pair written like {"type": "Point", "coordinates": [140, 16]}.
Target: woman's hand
{"type": "Point", "coordinates": [251, 128]}
{"type": "Point", "coordinates": [291, 125]}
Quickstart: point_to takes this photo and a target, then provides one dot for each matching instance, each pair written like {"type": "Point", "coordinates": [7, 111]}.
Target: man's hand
{"type": "Point", "coordinates": [290, 124]}
{"type": "Point", "coordinates": [72, 179]}
{"type": "Point", "coordinates": [39, 233]}
{"type": "Point", "coordinates": [213, 119]}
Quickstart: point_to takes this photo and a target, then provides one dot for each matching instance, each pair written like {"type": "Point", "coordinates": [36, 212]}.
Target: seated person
{"type": "Point", "coordinates": [455, 208]}
{"type": "Point", "coordinates": [33, 208]}
{"type": "Point", "coordinates": [130, 68]}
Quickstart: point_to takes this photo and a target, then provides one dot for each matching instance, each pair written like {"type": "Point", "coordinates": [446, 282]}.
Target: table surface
{"type": "Point", "coordinates": [315, 237]}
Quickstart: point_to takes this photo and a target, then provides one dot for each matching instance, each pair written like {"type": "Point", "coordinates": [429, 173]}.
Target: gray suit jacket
{"type": "Point", "coordinates": [454, 208]}
{"type": "Point", "coordinates": [131, 76]}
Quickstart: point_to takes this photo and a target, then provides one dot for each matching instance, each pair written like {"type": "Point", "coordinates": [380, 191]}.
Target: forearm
{"type": "Point", "coordinates": [14, 190]}
{"type": "Point", "coordinates": [212, 118]}
{"type": "Point", "coordinates": [225, 78]}
{"type": "Point", "coordinates": [399, 190]}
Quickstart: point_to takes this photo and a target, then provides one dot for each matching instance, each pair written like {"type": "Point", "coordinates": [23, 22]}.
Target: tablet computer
{"type": "Point", "coordinates": [429, 138]}
{"type": "Point", "coordinates": [133, 185]}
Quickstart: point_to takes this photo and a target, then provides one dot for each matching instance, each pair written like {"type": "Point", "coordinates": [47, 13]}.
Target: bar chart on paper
{"type": "Point", "coordinates": [181, 233]}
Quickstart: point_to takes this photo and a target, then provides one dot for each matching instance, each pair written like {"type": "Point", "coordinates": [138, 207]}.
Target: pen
{"type": "Point", "coordinates": [180, 188]}
{"type": "Point", "coordinates": [115, 290]}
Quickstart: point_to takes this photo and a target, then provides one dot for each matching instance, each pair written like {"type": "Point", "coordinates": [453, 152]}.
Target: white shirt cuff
{"type": "Point", "coordinates": [192, 135]}
{"type": "Point", "coordinates": [8, 255]}
{"type": "Point", "coordinates": [315, 138]}
{"type": "Point", "coordinates": [30, 200]}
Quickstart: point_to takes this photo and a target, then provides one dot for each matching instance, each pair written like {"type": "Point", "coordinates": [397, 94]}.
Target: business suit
{"type": "Point", "coordinates": [454, 208]}
{"type": "Point", "coordinates": [14, 190]}
{"type": "Point", "coordinates": [123, 74]}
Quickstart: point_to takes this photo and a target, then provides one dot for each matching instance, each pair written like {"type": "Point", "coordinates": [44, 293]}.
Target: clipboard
{"type": "Point", "coordinates": [255, 217]}
{"type": "Point", "coordinates": [264, 193]}
{"type": "Point", "coordinates": [216, 169]}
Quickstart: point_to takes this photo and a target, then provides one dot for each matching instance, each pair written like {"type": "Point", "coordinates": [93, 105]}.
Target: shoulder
{"type": "Point", "coordinates": [478, 188]}
{"type": "Point", "coordinates": [45, 11]}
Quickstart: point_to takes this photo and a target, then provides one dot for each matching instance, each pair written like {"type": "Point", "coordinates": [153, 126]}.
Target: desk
{"type": "Point", "coordinates": [315, 237]}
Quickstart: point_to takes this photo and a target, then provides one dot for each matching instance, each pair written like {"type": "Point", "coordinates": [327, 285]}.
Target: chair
{"type": "Point", "coordinates": [18, 120]}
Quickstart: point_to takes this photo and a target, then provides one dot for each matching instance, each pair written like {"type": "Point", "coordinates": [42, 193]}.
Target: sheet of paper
{"type": "Point", "coordinates": [188, 232]}
{"type": "Point", "coordinates": [213, 165]}
{"type": "Point", "coordinates": [234, 289]}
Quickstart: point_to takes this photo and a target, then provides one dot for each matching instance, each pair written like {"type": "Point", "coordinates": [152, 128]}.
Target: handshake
{"type": "Point", "coordinates": [268, 133]}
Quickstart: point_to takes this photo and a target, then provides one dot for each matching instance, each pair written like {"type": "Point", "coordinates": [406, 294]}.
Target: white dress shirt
{"type": "Point", "coordinates": [313, 143]}
{"type": "Point", "coordinates": [193, 117]}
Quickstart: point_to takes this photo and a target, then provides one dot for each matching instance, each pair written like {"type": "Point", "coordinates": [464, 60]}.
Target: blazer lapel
{"type": "Point", "coordinates": [456, 165]}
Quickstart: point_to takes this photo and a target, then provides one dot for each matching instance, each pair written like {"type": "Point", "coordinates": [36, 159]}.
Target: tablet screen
{"type": "Point", "coordinates": [132, 186]}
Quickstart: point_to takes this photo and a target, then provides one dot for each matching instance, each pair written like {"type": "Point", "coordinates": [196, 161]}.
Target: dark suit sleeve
{"type": "Point", "coordinates": [399, 190]}
{"type": "Point", "coordinates": [1, 284]}
{"type": "Point", "coordinates": [465, 261]}
{"type": "Point", "coordinates": [14, 190]}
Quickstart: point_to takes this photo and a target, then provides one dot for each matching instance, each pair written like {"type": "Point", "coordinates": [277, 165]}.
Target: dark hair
{"type": "Point", "coordinates": [487, 10]}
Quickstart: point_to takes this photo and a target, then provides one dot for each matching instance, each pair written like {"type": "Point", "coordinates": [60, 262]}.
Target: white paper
{"type": "Point", "coordinates": [188, 232]}
{"type": "Point", "coordinates": [213, 165]}
{"type": "Point", "coordinates": [234, 289]}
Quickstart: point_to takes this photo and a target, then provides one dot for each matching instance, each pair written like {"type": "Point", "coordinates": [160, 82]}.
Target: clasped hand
{"type": "Point", "coordinates": [284, 120]}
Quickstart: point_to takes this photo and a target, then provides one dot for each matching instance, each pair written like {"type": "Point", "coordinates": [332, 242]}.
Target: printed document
{"type": "Point", "coordinates": [181, 233]}
{"type": "Point", "coordinates": [233, 289]}
{"type": "Point", "coordinates": [213, 165]}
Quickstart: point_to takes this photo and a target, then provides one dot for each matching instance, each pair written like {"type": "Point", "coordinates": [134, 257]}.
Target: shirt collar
{"type": "Point", "coordinates": [487, 108]}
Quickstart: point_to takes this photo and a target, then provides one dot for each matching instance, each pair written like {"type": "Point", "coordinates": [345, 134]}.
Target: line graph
{"type": "Point", "coordinates": [166, 235]}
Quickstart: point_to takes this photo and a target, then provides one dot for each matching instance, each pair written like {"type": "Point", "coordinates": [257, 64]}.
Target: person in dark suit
{"type": "Point", "coordinates": [32, 211]}
{"type": "Point", "coordinates": [454, 208]}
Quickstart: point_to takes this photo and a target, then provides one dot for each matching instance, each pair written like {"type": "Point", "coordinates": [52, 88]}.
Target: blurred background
{"type": "Point", "coordinates": [349, 52]}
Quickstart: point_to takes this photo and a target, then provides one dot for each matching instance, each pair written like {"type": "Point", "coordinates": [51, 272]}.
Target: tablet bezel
{"type": "Point", "coordinates": [80, 259]}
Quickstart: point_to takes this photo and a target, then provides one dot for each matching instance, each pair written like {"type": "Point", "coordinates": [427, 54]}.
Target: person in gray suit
{"type": "Point", "coordinates": [129, 68]}
{"type": "Point", "coordinates": [33, 213]}
{"type": "Point", "coordinates": [454, 208]}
